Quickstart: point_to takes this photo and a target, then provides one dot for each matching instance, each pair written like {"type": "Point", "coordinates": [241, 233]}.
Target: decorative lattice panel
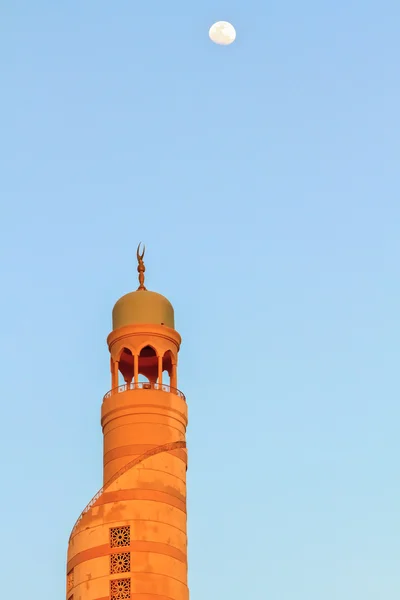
{"type": "Point", "coordinates": [120, 563]}
{"type": "Point", "coordinates": [70, 581]}
{"type": "Point", "coordinates": [120, 589]}
{"type": "Point", "coordinates": [120, 536]}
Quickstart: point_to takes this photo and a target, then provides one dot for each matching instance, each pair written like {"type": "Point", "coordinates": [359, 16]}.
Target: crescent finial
{"type": "Point", "coordinates": [141, 268]}
{"type": "Point", "coordinates": [140, 256]}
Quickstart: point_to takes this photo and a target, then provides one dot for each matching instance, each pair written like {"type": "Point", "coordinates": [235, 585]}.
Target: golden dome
{"type": "Point", "coordinates": [143, 306]}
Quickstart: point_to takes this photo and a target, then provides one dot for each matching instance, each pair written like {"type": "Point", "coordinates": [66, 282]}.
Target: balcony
{"type": "Point", "coordinates": [145, 385]}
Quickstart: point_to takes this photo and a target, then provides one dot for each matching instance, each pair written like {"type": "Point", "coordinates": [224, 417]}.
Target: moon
{"type": "Point", "coordinates": [222, 33]}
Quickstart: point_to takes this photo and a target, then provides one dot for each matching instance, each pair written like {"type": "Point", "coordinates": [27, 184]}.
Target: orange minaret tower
{"type": "Point", "coordinates": [130, 541]}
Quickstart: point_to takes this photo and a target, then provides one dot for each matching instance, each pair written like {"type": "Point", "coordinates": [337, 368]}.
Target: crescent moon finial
{"type": "Point", "coordinates": [140, 256]}
{"type": "Point", "coordinates": [141, 268]}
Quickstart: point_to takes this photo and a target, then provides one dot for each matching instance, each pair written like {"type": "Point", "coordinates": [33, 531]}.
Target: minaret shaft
{"type": "Point", "coordinates": [131, 541]}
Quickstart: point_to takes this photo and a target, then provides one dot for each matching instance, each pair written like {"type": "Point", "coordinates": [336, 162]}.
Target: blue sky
{"type": "Point", "coordinates": [264, 179]}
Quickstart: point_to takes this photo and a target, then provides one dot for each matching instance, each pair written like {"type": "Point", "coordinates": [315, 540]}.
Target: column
{"type": "Point", "coordinates": [160, 361]}
{"type": "Point", "coordinates": [136, 369]}
{"type": "Point", "coordinates": [174, 381]}
{"type": "Point", "coordinates": [114, 374]}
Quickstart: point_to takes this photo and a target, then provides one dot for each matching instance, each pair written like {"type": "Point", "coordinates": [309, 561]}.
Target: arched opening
{"type": "Point", "coordinates": [148, 364]}
{"type": "Point", "coordinates": [126, 365]}
{"type": "Point", "coordinates": [167, 367]}
{"type": "Point", "coordinates": [166, 378]}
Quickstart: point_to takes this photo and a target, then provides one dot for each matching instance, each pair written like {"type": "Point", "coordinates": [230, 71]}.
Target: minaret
{"type": "Point", "coordinates": [130, 541]}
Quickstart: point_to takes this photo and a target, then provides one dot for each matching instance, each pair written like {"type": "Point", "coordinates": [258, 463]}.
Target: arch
{"type": "Point", "coordinates": [126, 350]}
{"type": "Point", "coordinates": [145, 346]}
{"type": "Point", "coordinates": [126, 347]}
{"type": "Point", "coordinates": [126, 364]}
{"type": "Point", "coordinates": [167, 361]}
{"type": "Point", "coordinates": [148, 363]}
{"type": "Point", "coordinates": [148, 351]}
{"type": "Point", "coordinates": [166, 377]}
{"type": "Point", "coordinates": [169, 366]}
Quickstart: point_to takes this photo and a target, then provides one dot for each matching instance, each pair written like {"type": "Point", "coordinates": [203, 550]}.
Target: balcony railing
{"type": "Point", "coordinates": [145, 385]}
{"type": "Point", "coordinates": [124, 469]}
